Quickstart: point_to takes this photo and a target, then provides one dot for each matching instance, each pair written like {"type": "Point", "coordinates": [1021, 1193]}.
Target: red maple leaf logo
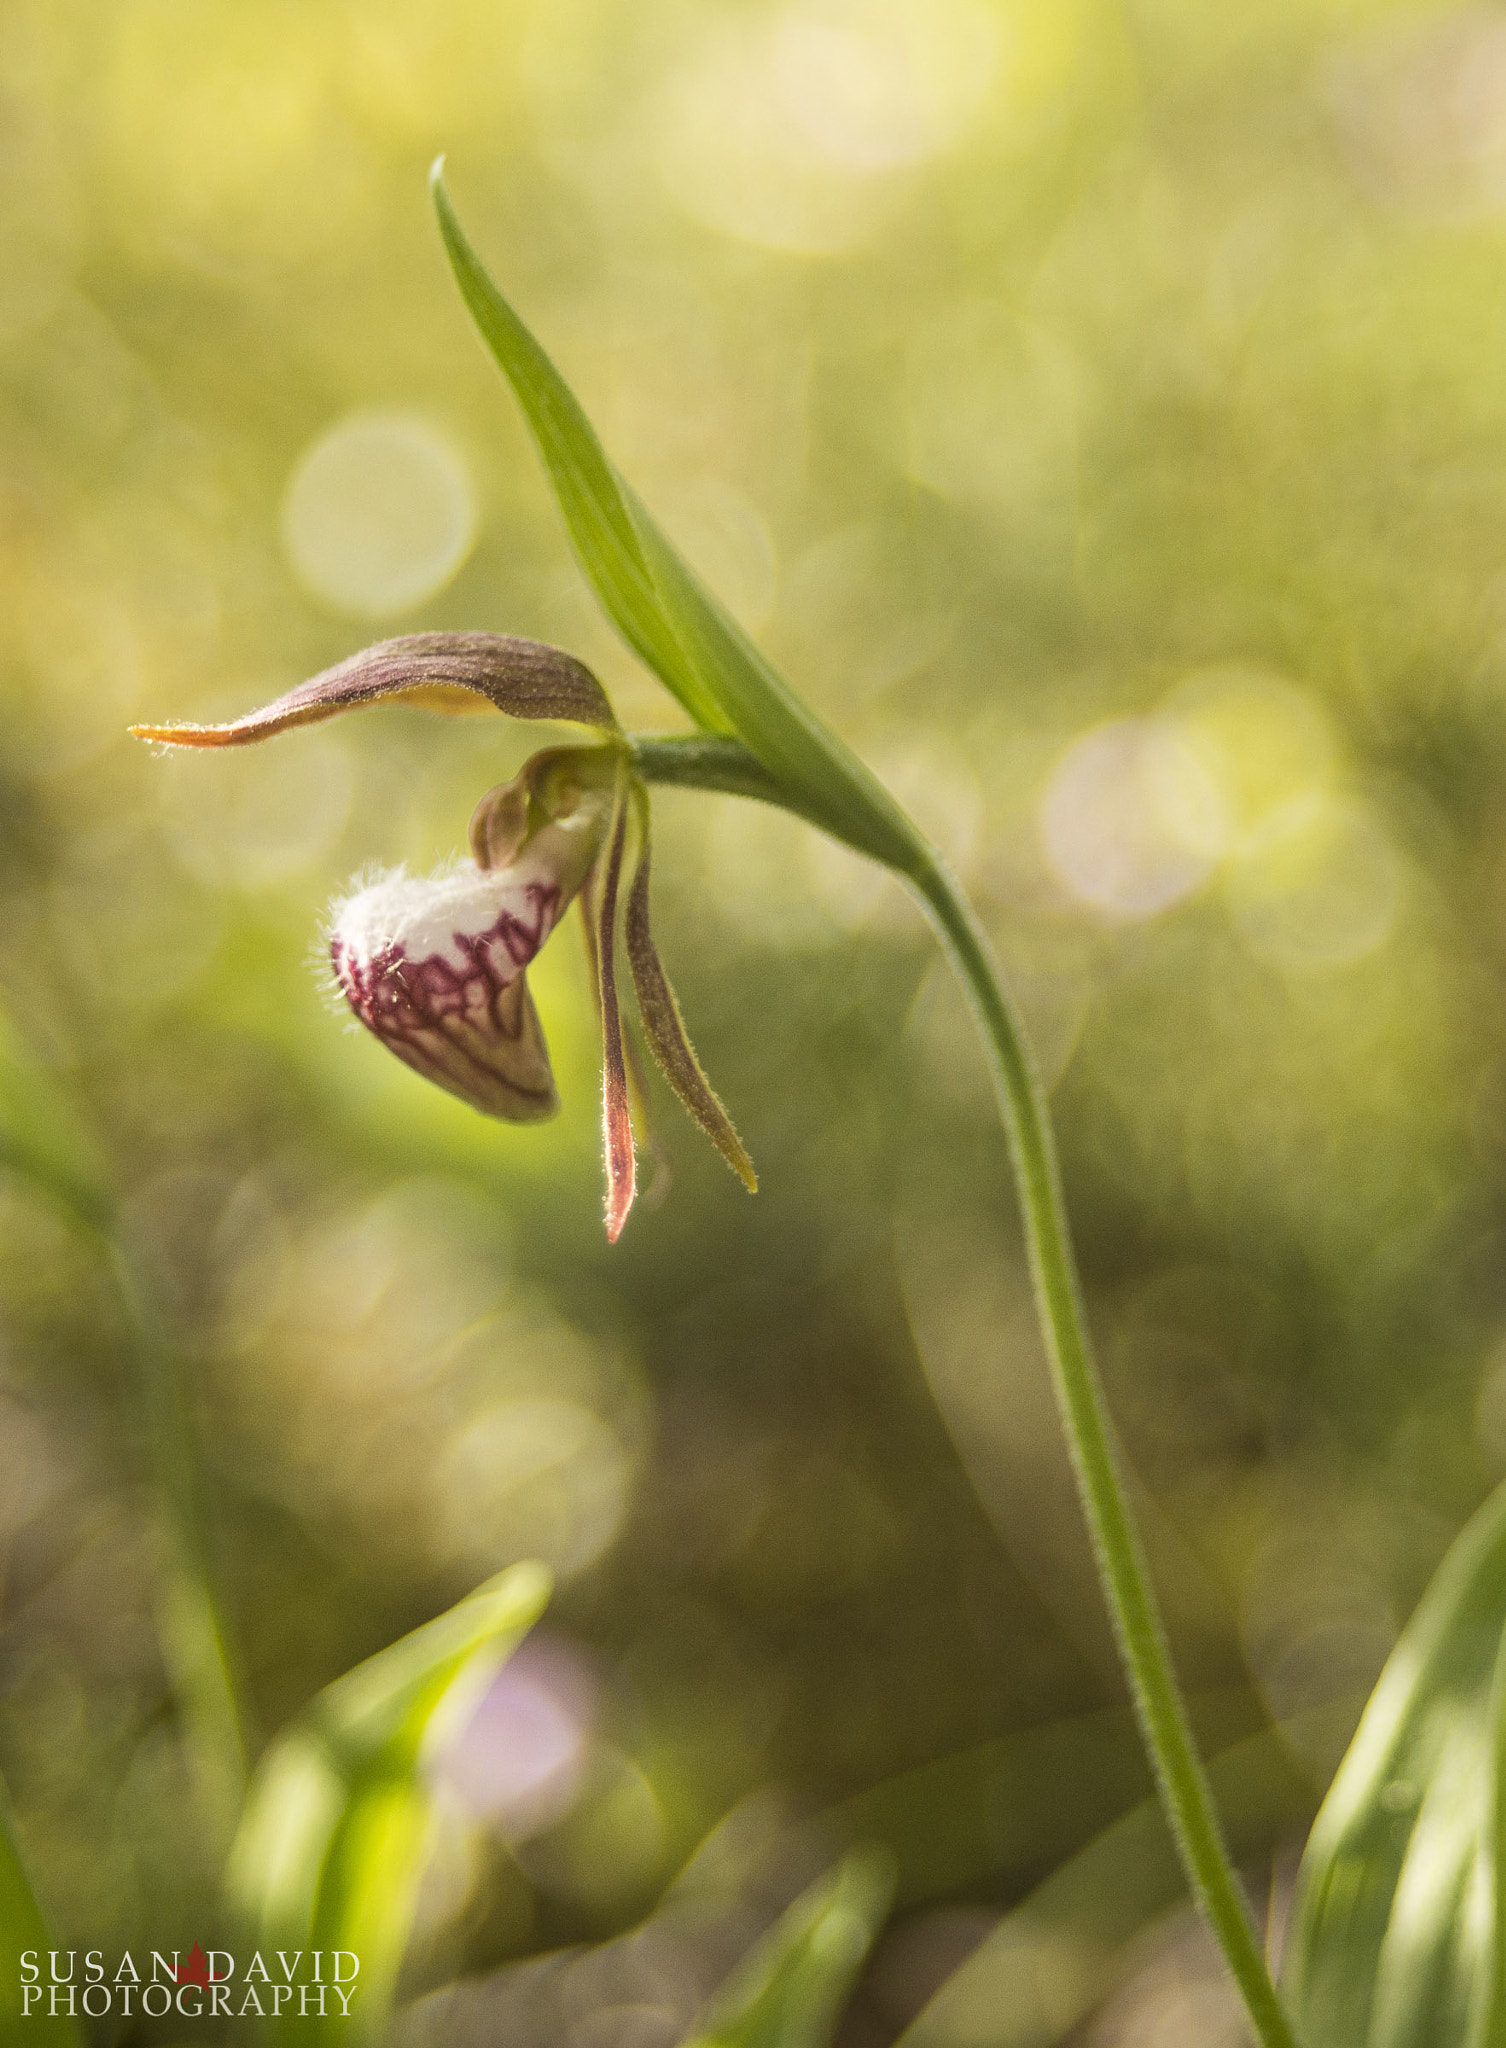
{"type": "Point", "coordinates": [197, 1971]}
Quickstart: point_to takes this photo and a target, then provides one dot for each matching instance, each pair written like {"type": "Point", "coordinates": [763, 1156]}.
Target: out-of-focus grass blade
{"type": "Point", "coordinates": [1050, 1961]}
{"type": "Point", "coordinates": [656, 600]}
{"type": "Point", "coordinates": [789, 1990]}
{"type": "Point", "coordinates": [335, 1835]}
{"type": "Point", "coordinates": [1019, 1805]}
{"type": "Point", "coordinates": [1397, 1929]}
{"type": "Point", "coordinates": [45, 1142]}
{"type": "Point", "coordinates": [42, 1137]}
{"type": "Point", "coordinates": [21, 1928]}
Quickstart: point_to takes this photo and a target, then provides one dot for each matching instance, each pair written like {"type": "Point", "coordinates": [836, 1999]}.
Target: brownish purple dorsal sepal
{"type": "Point", "coordinates": [443, 671]}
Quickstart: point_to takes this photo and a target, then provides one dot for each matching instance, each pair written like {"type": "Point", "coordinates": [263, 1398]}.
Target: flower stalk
{"type": "Point", "coordinates": [714, 763]}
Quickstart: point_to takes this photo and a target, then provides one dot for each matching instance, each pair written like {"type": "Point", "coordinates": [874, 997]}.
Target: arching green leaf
{"type": "Point", "coordinates": [1396, 1936]}
{"type": "Point", "coordinates": [789, 1990]}
{"type": "Point", "coordinates": [588, 488]}
{"type": "Point", "coordinates": [658, 603]}
{"type": "Point", "coordinates": [337, 1825]}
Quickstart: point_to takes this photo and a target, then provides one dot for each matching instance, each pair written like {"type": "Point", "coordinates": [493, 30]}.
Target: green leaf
{"type": "Point", "coordinates": [21, 1928]}
{"type": "Point", "coordinates": [660, 605]}
{"type": "Point", "coordinates": [1397, 1928]}
{"type": "Point", "coordinates": [337, 1824]}
{"type": "Point", "coordinates": [802, 754]}
{"type": "Point", "coordinates": [588, 488]}
{"type": "Point", "coordinates": [1052, 1959]}
{"type": "Point", "coordinates": [789, 1990]}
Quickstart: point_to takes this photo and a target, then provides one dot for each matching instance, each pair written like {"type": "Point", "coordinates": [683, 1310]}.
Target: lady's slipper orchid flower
{"type": "Point", "coordinates": [436, 966]}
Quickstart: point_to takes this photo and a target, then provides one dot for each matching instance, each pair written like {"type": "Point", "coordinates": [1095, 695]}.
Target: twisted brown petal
{"type": "Point", "coordinates": [644, 1137]}
{"type": "Point", "coordinates": [443, 671]}
{"type": "Point", "coordinates": [664, 1026]}
{"type": "Point", "coordinates": [616, 1120]}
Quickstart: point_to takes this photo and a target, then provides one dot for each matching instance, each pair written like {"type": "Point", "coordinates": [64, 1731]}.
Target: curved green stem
{"type": "Point", "coordinates": [1122, 1569]}
{"type": "Point", "coordinates": [713, 763]}
{"type": "Point", "coordinates": [707, 761]}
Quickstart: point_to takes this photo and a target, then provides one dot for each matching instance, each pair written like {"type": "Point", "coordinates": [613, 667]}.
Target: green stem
{"type": "Point", "coordinates": [1162, 1715]}
{"type": "Point", "coordinates": [1122, 1569]}
{"type": "Point", "coordinates": [707, 761]}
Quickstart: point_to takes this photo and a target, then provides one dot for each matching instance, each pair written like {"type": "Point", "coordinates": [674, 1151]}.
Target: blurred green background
{"type": "Point", "coordinates": [1099, 412]}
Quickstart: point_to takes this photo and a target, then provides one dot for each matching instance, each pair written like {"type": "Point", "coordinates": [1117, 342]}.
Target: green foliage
{"type": "Point", "coordinates": [659, 604]}
{"type": "Point", "coordinates": [592, 496]}
{"type": "Point", "coordinates": [1397, 1937]}
{"type": "Point", "coordinates": [788, 1992]}
{"type": "Point", "coordinates": [333, 1843]}
{"type": "Point", "coordinates": [1171, 386]}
